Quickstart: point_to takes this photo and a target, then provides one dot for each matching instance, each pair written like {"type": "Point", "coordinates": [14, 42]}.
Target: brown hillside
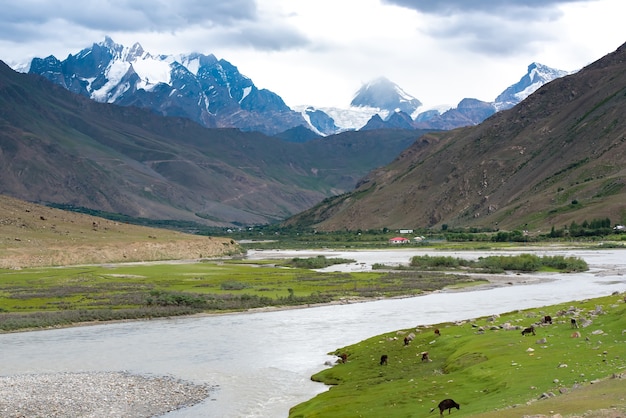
{"type": "Point", "coordinates": [557, 157]}
{"type": "Point", "coordinates": [58, 147]}
{"type": "Point", "coordinates": [34, 235]}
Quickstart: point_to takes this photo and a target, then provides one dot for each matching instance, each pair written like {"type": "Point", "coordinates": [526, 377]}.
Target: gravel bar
{"type": "Point", "coordinates": [95, 394]}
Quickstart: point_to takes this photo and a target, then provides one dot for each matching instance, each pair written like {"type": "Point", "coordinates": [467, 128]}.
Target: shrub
{"type": "Point", "coordinates": [562, 263]}
{"type": "Point", "coordinates": [316, 262]}
{"type": "Point", "coordinates": [522, 262]}
{"type": "Point", "coordinates": [233, 285]}
{"type": "Point", "coordinates": [426, 261]}
{"type": "Point", "coordinates": [160, 298]}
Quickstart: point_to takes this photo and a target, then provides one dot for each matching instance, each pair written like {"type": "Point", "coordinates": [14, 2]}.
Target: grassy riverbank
{"type": "Point", "coordinates": [59, 296]}
{"type": "Point", "coordinates": [488, 367]}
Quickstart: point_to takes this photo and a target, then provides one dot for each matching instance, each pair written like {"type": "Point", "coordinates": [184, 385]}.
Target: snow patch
{"type": "Point", "coordinates": [246, 91]}
{"type": "Point", "coordinates": [114, 74]}
{"type": "Point", "coordinates": [353, 117]}
{"type": "Point", "coordinates": [152, 72]}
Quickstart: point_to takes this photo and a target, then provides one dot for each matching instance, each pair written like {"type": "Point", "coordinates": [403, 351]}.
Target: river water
{"type": "Point", "coordinates": [261, 362]}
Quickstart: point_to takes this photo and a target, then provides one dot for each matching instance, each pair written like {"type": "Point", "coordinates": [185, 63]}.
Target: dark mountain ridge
{"type": "Point", "coordinates": [555, 158]}
{"type": "Point", "coordinates": [63, 148]}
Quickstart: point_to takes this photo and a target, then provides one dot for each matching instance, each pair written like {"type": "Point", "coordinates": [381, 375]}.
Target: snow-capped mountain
{"type": "Point", "coordinates": [537, 76]}
{"type": "Point", "coordinates": [382, 104]}
{"type": "Point", "coordinates": [385, 95]}
{"type": "Point", "coordinates": [200, 87]}
{"type": "Point", "coordinates": [472, 111]}
{"type": "Point", "coordinates": [214, 93]}
{"type": "Point", "coordinates": [331, 120]}
{"type": "Point", "coordinates": [380, 97]}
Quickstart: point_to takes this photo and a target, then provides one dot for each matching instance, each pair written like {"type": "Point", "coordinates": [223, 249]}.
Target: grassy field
{"type": "Point", "coordinates": [49, 296]}
{"type": "Point", "coordinates": [488, 367]}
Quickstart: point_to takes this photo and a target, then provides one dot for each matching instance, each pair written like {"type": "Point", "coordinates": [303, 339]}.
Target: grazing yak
{"type": "Point", "coordinates": [547, 320]}
{"type": "Point", "coordinates": [529, 330]}
{"type": "Point", "coordinates": [574, 323]}
{"type": "Point", "coordinates": [383, 359]}
{"type": "Point", "coordinates": [447, 404]}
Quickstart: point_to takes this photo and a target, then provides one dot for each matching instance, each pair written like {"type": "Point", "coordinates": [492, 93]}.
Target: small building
{"type": "Point", "coordinates": [399, 240]}
{"type": "Point", "coordinates": [406, 231]}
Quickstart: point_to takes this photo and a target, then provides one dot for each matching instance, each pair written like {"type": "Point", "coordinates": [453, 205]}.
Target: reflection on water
{"type": "Point", "coordinates": [263, 361]}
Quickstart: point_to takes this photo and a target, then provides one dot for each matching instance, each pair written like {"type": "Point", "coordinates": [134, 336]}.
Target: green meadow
{"type": "Point", "coordinates": [58, 296]}
{"type": "Point", "coordinates": [487, 366]}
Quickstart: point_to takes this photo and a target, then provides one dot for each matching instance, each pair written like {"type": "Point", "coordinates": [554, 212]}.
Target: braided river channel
{"type": "Point", "coordinates": [261, 362]}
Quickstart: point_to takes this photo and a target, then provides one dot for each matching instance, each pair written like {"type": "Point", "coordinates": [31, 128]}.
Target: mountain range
{"type": "Point", "coordinates": [213, 93]}
{"type": "Point", "coordinates": [469, 111]}
{"type": "Point", "coordinates": [205, 89]}
{"type": "Point", "coordinates": [553, 159]}
{"type": "Point", "coordinates": [58, 147]}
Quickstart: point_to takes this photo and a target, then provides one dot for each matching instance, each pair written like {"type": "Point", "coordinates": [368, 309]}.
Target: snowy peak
{"type": "Point", "coordinates": [200, 87]}
{"type": "Point", "coordinates": [536, 76]}
{"type": "Point", "coordinates": [134, 53]}
{"type": "Point", "coordinates": [385, 95]}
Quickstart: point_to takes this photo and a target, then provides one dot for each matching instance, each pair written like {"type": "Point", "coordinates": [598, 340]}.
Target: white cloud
{"type": "Point", "coordinates": [320, 51]}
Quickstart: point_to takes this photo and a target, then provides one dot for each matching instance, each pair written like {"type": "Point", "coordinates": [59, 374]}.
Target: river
{"type": "Point", "coordinates": [261, 362]}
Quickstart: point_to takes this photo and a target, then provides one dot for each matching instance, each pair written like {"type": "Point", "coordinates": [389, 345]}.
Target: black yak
{"type": "Point", "coordinates": [447, 404]}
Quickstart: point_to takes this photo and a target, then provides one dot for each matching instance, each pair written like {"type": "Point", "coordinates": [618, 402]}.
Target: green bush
{"type": "Point", "coordinates": [427, 261]}
{"type": "Point", "coordinates": [522, 262]}
{"type": "Point", "coordinates": [233, 285]}
{"type": "Point", "coordinates": [500, 263]}
{"type": "Point", "coordinates": [175, 299]}
{"type": "Point", "coordinates": [568, 264]}
{"type": "Point", "coordinates": [318, 262]}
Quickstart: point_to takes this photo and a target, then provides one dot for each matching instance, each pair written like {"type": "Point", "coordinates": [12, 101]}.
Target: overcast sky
{"type": "Point", "coordinates": [319, 52]}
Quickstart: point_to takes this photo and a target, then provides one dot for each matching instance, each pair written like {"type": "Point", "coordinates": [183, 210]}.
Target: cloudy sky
{"type": "Point", "coordinates": [319, 52]}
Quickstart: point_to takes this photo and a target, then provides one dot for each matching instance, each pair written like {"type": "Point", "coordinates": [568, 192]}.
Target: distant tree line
{"type": "Point", "coordinates": [597, 227]}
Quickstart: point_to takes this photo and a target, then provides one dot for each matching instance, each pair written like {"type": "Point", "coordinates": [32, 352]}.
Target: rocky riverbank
{"type": "Point", "coordinates": [95, 394]}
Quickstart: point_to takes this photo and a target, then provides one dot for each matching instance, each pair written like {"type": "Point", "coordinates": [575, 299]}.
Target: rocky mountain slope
{"type": "Point", "coordinates": [63, 148]}
{"type": "Point", "coordinates": [554, 158]}
{"type": "Point", "coordinates": [200, 87]}
{"type": "Point", "coordinates": [536, 76]}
